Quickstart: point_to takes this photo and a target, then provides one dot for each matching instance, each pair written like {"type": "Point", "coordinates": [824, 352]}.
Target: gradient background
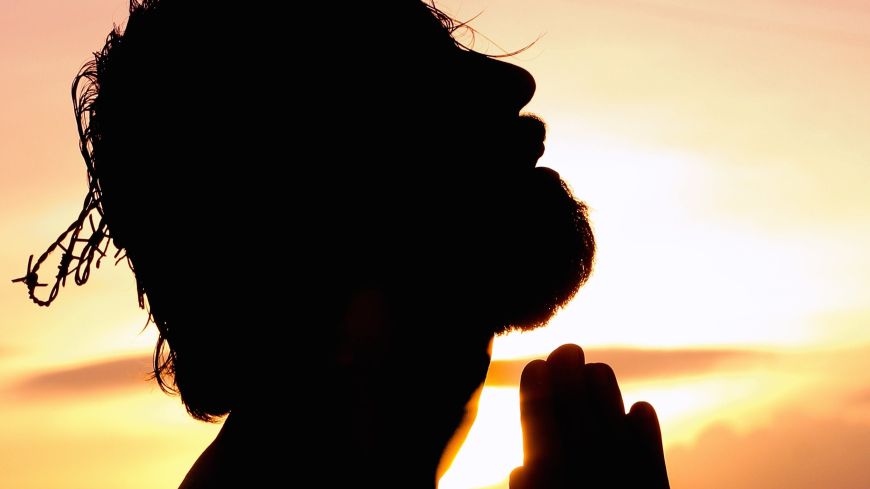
{"type": "Point", "coordinates": [723, 148]}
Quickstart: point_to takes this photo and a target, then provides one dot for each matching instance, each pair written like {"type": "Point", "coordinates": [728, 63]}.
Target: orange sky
{"type": "Point", "coordinates": [723, 149]}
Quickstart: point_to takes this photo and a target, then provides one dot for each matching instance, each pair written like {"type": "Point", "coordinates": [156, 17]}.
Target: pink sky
{"type": "Point", "coordinates": [723, 149]}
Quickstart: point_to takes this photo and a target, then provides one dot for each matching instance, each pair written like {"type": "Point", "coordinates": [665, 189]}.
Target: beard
{"type": "Point", "coordinates": [548, 244]}
{"type": "Point", "coordinates": [492, 240]}
{"type": "Point", "coordinates": [549, 249]}
{"type": "Point", "coordinates": [513, 250]}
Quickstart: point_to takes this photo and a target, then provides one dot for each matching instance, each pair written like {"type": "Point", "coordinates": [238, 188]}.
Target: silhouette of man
{"type": "Point", "coordinates": [330, 211]}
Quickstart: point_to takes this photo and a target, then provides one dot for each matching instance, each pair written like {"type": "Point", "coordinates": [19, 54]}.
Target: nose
{"type": "Point", "coordinates": [505, 83]}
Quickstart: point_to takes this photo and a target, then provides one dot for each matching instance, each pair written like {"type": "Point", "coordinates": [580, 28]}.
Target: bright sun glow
{"type": "Point", "coordinates": [674, 277]}
{"type": "Point", "coordinates": [494, 444]}
{"type": "Point", "coordinates": [722, 149]}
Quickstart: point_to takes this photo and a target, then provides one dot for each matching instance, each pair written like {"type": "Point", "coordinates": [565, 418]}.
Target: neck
{"type": "Point", "coordinates": [319, 441]}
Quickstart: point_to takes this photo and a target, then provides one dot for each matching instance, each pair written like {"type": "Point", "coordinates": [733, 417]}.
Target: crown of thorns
{"type": "Point", "coordinates": [83, 244]}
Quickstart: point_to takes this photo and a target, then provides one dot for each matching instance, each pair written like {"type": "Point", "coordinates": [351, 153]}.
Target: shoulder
{"type": "Point", "coordinates": [209, 470]}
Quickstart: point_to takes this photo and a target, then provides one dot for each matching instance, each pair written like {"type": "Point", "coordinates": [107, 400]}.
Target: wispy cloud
{"type": "Point", "coordinates": [87, 379]}
{"type": "Point", "coordinates": [862, 397]}
{"type": "Point", "coordinates": [794, 451]}
{"type": "Point", "coordinates": [637, 364]}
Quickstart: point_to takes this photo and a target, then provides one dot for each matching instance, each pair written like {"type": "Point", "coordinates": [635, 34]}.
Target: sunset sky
{"type": "Point", "coordinates": [724, 149]}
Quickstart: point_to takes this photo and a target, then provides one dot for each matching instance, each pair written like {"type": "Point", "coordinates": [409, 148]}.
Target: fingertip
{"type": "Point", "coordinates": [639, 405]}
{"type": "Point", "coordinates": [642, 417]}
{"type": "Point", "coordinates": [643, 413]}
{"type": "Point", "coordinates": [600, 373]}
{"type": "Point", "coordinates": [536, 412]}
{"type": "Point", "coordinates": [568, 353]}
{"type": "Point", "coordinates": [603, 388]}
{"type": "Point", "coordinates": [534, 374]}
{"type": "Point", "coordinates": [601, 380]}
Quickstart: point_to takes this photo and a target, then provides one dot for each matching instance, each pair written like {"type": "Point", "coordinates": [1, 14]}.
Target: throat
{"type": "Point", "coordinates": [327, 445]}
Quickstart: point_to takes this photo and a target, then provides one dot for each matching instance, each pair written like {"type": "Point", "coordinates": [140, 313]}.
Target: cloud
{"type": "Point", "coordinates": [862, 397]}
{"type": "Point", "coordinates": [89, 379]}
{"type": "Point", "coordinates": [635, 364]}
{"type": "Point", "coordinates": [630, 364]}
{"type": "Point", "coordinates": [795, 451]}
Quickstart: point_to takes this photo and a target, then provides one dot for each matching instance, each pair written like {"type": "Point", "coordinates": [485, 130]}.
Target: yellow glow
{"type": "Point", "coordinates": [686, 408]}
{"type": "Point", "coordinates": [722, 148]}
{"type": "Point", "coordinates": [494, 445]}
{"type": "Point", "coordinates": [100, 442]}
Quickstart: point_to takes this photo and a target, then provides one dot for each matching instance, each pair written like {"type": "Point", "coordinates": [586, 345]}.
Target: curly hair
{"type": "Point", "coordinates": [79, 253]}
{"type": "Point", "coordinates": [86, 242]}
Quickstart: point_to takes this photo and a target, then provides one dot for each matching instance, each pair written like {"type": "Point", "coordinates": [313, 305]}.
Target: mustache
{"type": "Point", "coordinates": [531, 129]}
{"type": "Point", "coordinates": [534, 125]}
{"type": "Point", "coordinates": [525, 140]}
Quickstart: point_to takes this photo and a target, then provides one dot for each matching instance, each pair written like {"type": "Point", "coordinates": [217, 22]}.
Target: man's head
{"type": "Point", "coordinates": [346, 185]}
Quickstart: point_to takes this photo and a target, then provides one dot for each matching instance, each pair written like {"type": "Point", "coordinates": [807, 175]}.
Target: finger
{"type": "Point", "coordinates": [603, 426]}
{"type": "Point", "coordinates": [536, 412]}
{"type": "Point", "coordinates": [566, 365]}
{"type": "Point", "coordinates": [568, 351]}
{"type": "Point", "coordinates": [605, 411]}
{"type": "Point", "coordinates": [645, 438]}
{"type": "Point", "coordinates": [602, 390]}
{"type": "Point", "coordinates": [566, 375]}
{"type": "Point", "coordinates": [566, 370]}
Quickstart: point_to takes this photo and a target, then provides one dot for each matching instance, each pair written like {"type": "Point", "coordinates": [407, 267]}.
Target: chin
{"type": "Point", "coordinates": [551, 251]}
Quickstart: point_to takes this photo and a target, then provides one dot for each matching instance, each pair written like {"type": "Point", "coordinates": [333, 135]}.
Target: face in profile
{"type": "Point", "coordinates": [517, 243]}
{"type": "Point", "coordinates": [376, 211]}
{"type": "Point", "coordinates": [479, 240]}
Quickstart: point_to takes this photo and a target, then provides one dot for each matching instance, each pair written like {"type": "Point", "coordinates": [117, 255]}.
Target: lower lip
{"type": "Point", "coordinates": [549, 172]}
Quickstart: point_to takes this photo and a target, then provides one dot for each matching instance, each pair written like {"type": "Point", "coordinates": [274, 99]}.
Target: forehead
{"type": "Point", "coordinates": [373, 26]}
